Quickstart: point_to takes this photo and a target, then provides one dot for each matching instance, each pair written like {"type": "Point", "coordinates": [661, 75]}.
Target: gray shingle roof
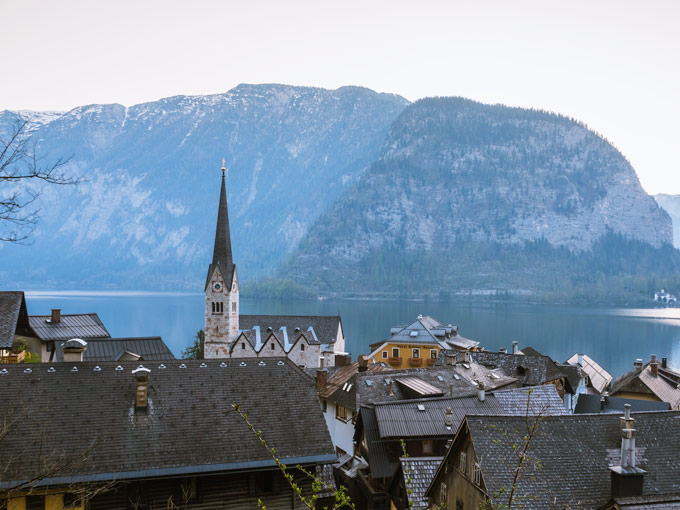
{"type": "Point", "coordinates": [599, 377]}
{"type": "Point", "coordinates": [420, 470]}
{"type": "Point", "coordinates": [664, 385]}
{"type": "Point", "coordinates": [543, 400]}
{"type": "Point", "coordinates": [325, 326]}
{"type": "Point", "coordinates": [11, 305]}
{"type": "Point", "coordinates": [589, 443]}
{"type": "Point", "coordinates": [189, 426]}
{"type": "Point", "coordinates": [531, 370]}
{"type": "Point", "coordinates": [110, 349]}
{"type": "Point", "coordinates": [592, 404]}
{"type": "Point", "coordinates": [378, 457]}
{"type": "Point", "coordinates": [222, 257]}
{"type": "Point", "coordinates": [81, 325]}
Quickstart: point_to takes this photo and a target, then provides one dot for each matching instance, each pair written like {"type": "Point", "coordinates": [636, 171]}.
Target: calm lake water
{"type": "Point", "coordinates": [612, 336]}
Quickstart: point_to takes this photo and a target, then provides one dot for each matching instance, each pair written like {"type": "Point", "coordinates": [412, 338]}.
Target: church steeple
{"type": "Point", "coordinates": [222, 250]}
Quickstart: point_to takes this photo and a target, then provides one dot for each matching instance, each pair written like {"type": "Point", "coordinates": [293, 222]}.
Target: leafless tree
{"type": "Point", "coordinates": [20, 167]}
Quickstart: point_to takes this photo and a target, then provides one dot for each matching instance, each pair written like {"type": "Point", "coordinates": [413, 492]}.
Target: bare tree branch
{"type": "Point", "coordinates": [19, 167]}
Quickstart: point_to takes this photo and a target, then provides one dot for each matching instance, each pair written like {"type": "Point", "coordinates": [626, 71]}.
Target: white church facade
{"type": "Point", "coordinates": [309, 341]}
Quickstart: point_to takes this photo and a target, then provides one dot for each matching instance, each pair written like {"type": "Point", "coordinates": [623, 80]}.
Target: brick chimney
{"type": "Point", "coordinates": [451, 359]}
{"type": "Point", "coordinates": [627, 478]}
{"type": "Point", "coordinates": [321, 379]}
{"type": "Point", "coordinates": [654, 366]}
{"type": "Point", "coordinates": [342, 360]}
{"type": "Point", "coordinates": [73, 350]}
{"type": "Point", "coordinates": [56, 316]}
{"type": "Point", "coordinates": [363, 363]}
{"type": "Point", "coordinates": [141, 376]}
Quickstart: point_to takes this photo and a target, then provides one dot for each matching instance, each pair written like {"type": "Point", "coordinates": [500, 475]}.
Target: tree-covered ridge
{"type": "Point", "coordinates": [472, 196]}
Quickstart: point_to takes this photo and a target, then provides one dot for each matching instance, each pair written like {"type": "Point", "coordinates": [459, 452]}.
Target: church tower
{"type": "Point", "coordinates": [221, 288]}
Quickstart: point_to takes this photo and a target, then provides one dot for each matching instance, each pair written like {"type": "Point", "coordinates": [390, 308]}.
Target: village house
{"type": "Point", "coordinates": [309, 341]}
{"type": "Point", "coordinates": [46, 336]}
{"type": "Point", "coordinates": [426, 425]}
{"type": "Point", "coordinates": [598, 378]}
{"type": "Point", "coordinates": [649, 381]}
{"type": "Point", "coordinates": [617, 458]}
{"type": "Point", "coordinates": [159, 435]}
{"type": "Point", "coordinates": [418, 344]}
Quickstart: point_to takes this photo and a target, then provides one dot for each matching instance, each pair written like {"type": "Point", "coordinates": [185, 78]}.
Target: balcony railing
{"type": "Point", "coordinates": [415, 362]}
{"type": "Point", "coordinates": [13, 357]}
{"type": "Point", "coordinates": [394, 360]}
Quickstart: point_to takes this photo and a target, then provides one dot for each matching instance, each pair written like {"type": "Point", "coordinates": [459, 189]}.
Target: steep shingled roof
{"type": "Point", "coordinates": [599, 377]}
{"type": "Point", "coordinates": [222, 257]}
{"type": "Point", "coordinates": [110, 349]}
{"type": "Point", "coordinates": [420, 471]}
{"type": "Point", "coordinates": [664, 385]}
{"type": "Point", "coordinates": [325, 327]}
{"type": "Point", "coordinates": [561, 442]}
{"type": "Point", "coordinates": [188, 428]}
{"type": "Point", "coordinates": [79, 325]}
{"type": "Point", "coordinates": [531, 370]}
{"type": "Point", "coordinates": [12, 304]}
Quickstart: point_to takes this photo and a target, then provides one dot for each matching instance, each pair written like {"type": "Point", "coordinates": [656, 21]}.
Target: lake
{"type": "Point", "coordinates": [614, 337]}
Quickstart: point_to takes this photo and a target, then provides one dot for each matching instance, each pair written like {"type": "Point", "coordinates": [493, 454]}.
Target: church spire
{"type": "Point", "coordinates": [222, 250]}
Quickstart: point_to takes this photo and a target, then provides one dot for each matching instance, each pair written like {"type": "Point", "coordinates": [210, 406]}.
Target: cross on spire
{"type": "Point", "coordinates": [224, 169]}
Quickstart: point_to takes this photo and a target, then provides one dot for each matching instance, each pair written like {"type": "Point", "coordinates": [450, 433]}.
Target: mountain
{"type": "Point", "coordinates": [145, 218]}
{"type": "Point", "coordinates": [671, 204]}
{"type": "Point", "coordinates": [472, 196]}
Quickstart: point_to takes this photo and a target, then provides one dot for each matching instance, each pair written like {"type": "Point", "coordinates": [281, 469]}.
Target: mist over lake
{"type": "Point", "coordinates": [614, 337]}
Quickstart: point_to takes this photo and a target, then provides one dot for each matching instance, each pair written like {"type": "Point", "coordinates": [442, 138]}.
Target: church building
{"type": "Point", "coordinates": [309, 341]}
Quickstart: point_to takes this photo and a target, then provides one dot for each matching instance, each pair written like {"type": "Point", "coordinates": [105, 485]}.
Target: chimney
{"type": "Point", "coordinates": [664, 362]}
{"type": "Point", "coordinates": [342, 360]}
{"type": "Point", "coordinates": [363, 363]}
{"type": "Point", "coordinates": [321, 379]}
{"type": "Point", "coordinates": [627, 478]}
{"type": "Point", "coordinates": [141, 376]}
{"type": "Point", "coordinates": [637, 363]}
{"type": "Point", "coordinates": [579, 359]}
{"type": "Point", "coordinates": [322, 360]}
{"type": "Point", "coordinates": [451, 359]}
{"type": "Point", "coordinates": [56, 315]}
{"type": "Point", "coordinates": [481, 394]}
{"type": "Point", "coordinates": [73, 350]}
{"type": "Point", "coordinates": [448, 417]}
{"type": "Point", "coordinates": [515, 347]}
{"type": "Point", "coordinates": [654, 366]}
{"type": "Point", "coordinates": [391, 392]}
{"type": "Point", "coordinates": [504, 350]}
{"type": "Point", "coordinates": [603, 403]}
{"type": "Point", "coordinates": [465, 357]}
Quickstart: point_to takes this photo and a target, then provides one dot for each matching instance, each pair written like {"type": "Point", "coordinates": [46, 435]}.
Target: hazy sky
{"type": "Point", "coordinates": [614, 65]}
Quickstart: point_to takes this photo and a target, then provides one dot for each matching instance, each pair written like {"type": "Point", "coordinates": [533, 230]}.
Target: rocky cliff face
{"type": "Point", "coordinates": [671, 204]}
{"type": "Point", "coordinates": [146, 216]}
{"type": "Point", "coordinates": [453, 172]}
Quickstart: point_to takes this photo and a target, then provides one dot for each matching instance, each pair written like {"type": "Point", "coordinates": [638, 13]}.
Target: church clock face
{"type": "Point", "coordinates": [217, 286]}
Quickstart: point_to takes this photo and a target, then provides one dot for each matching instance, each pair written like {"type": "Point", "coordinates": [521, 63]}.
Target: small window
{"type": "Point", "coordinates": [433, 353]}
{"type": "Point", "coordinates": [243, 345]}
{"type": "Point", "coordinates": [427, 447]}
{"type": "Point", "coordinates": [477, 474]}
{"type": "Point", "coordinates": [273, 346]}
{"type": "Point", "coordinates": [442, 493]}
{"type": "Point", "coordinates": [395, 352]}
{"type": "Point", "coordinates": [233, 307]}
{"type": "Point", "coordinates": [35, 502]}
{"type": "Point", "coordinates": [265, 481]}
{"type": "Point", "coordinates": [341, 412]}
{"type": "Point", "coordinates": [462, 462]}
{"type": "Point", "coordinates": [384, 354]}
{"type": "Point", "coordinates": [302, 347]}
{"type": "Point", "coordinates": [213, 307]}
{"type": "Point", "coordinates": [416, 353]}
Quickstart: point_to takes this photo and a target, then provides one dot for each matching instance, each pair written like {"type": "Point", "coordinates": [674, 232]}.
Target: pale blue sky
{"type": "Point", "coordinates": [614, 64]}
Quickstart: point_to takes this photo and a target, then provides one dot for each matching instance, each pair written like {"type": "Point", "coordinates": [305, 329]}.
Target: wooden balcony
{"type": "Point", "coordinates": [415, 362]}
{"type": "Point", "coordinates": [13, 357]}
{"type": "Point", "coordinates": [394, 361]}
{"type": "Point", "coordinates": [431, 362]}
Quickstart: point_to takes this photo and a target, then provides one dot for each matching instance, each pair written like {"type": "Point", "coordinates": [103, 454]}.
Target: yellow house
{"type": "Point", "coordinates": [418, 344]}
{"type": "Point", "coordinates": [48, 499]}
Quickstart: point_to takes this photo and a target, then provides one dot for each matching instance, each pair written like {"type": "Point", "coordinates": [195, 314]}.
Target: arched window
{"type": "Point", "coordinates": [273, 346]}
{"type": "Point", "coordinates": [302, 347]}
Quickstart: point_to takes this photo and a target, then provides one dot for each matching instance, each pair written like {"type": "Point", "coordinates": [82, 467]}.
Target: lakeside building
{"type": "Point", "coordinates": [649, 381]}
{"type": "Point", "coordinates": [309, 341]}
{"type": "Point", "coordinates": [418, 344]}
{"type": "Point", "coordinates": [67, 337]}
{"type": "Point", "coordinates": [112, 436]}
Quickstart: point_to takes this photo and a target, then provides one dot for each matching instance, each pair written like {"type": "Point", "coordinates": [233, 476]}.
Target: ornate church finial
{"type": "Point", "coordinates": [224, 169]}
